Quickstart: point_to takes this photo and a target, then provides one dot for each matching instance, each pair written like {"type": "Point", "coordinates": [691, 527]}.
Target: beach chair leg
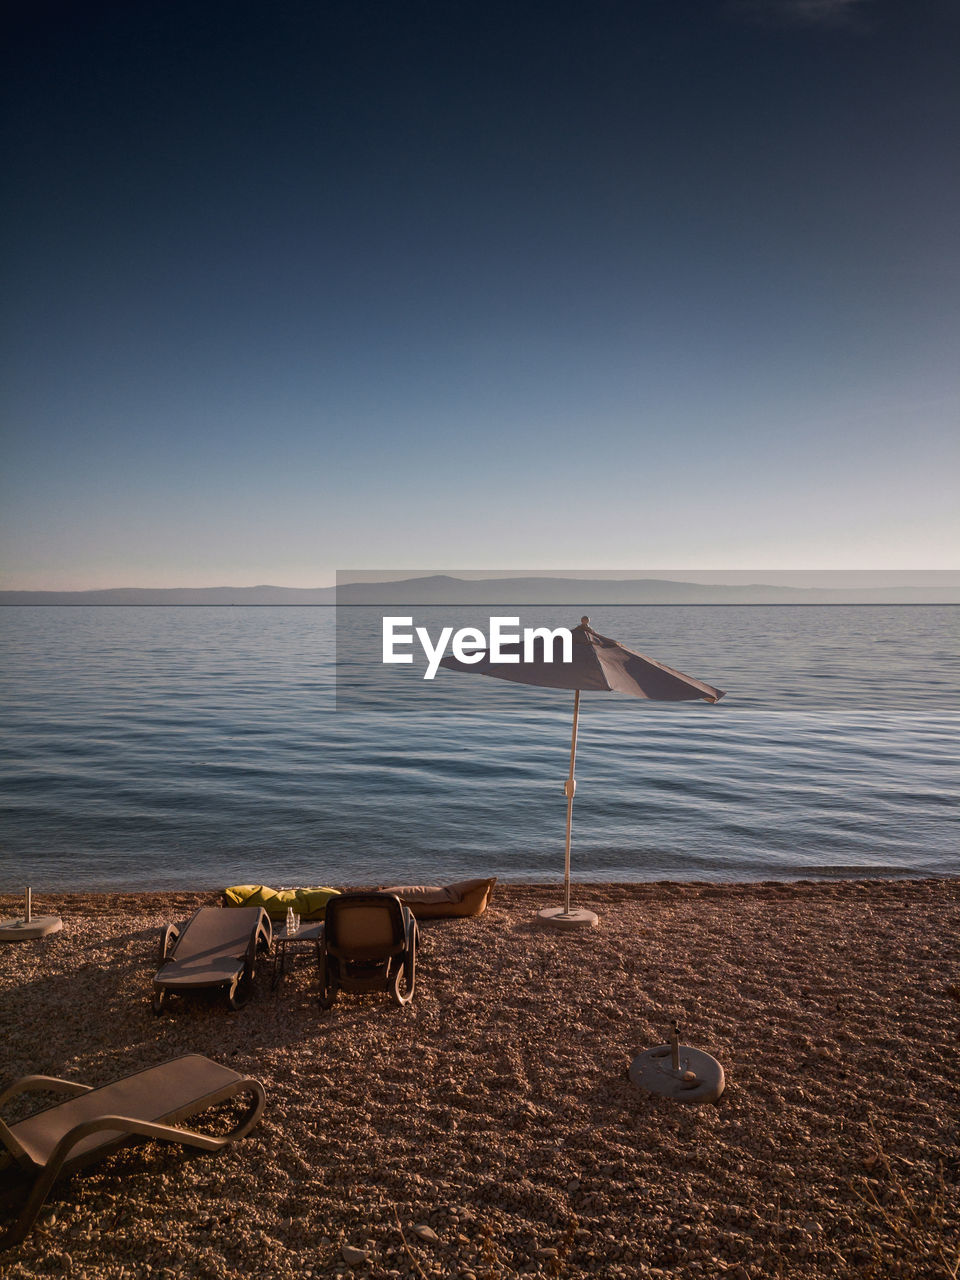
{"type": "Point", "coordinates": [405, 979]}
{"type": "Point", "coordinates": [160, 995]}
{"type": "Point", "coordinates": [328, 986]}
{"type": "Point", "coordinates": [239, 992]}
{"type": "Point", "coordinates": [16, 1233]}
{"type": "Point", "coordinates": [395, 986]}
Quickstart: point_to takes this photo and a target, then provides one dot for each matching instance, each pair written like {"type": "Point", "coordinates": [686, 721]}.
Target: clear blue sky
{"type": "Point", "coordinates": [620, 284]}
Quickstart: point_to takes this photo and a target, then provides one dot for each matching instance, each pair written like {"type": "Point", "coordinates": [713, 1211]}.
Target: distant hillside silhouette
{"type": "Point", "coordinates": [443, 589]}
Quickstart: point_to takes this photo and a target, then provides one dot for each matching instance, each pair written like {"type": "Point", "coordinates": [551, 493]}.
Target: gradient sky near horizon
{"type": "Point", "coordinates": [297, 285]}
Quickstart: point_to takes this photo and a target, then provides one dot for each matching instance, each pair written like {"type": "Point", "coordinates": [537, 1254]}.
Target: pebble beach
{"type": "Point", "coordinates": [488, 1130]}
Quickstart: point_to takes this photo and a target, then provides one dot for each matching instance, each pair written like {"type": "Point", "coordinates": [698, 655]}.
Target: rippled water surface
{"type": "Point", "coordinates": [162, 747]}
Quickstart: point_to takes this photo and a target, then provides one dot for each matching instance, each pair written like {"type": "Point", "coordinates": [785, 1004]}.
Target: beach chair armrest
{"type": "Point", "coordinates": [128, 1125]}
{"type": "Point", "coordinates": [265, 932]}
{"type": "Point", "coordinates": [168, 936]}
{"type": "Point", "coordinates": [43, 1084]}
{"type": "Point", "coordinates": [261, 940]}
{"type": "Point", "coordinates": [34, 1084]}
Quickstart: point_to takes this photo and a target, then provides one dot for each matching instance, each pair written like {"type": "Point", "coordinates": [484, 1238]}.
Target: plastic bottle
{"type": "Point", "coordinates": [289, 920]}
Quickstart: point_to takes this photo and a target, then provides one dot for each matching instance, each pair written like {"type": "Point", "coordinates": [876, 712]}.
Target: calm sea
{"type": "Point", "coordinates": [198, 747]}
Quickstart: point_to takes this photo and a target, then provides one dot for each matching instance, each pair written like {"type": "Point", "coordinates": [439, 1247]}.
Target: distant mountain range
{"type": "Point", "coordinates": [441, 589]}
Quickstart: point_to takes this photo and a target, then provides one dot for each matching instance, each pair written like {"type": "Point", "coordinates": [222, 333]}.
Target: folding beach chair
{"type": "Point", "coordinates": [215, 948]}
{"type": "Point", "coordinates": [369, 944]}
{"type": "Point", "coordinates": [93, 1123]}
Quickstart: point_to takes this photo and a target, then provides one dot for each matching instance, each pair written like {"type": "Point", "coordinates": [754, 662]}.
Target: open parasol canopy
{"type": "Point", "coordinates": [597, 664]}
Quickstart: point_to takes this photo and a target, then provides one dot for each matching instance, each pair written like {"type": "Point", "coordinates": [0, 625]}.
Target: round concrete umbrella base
{"type": "Point", "coordinates": [22, 931]}
{"type": "Point", "coordinates": [576, 918]}
{"type": "Point", "coordinates": [699, 1079]}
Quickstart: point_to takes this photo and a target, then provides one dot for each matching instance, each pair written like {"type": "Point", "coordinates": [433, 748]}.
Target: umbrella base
{"type": "Point", "coordinates": [700, 1078]}
{"type": "Point", "coordinates": [576, 918]}
{"type": "Point", "coordinates": [21, 931]}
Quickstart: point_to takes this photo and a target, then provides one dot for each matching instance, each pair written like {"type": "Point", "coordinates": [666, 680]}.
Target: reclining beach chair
{"type": "Point", "coordinates": [215, 948]}
{"type": "Point", "coordinates": [369, 944]}
{"type": "Point", "coordinates": [94, 1123]}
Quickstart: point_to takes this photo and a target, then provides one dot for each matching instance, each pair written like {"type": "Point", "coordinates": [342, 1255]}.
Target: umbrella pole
{"type": "Point", "coordinates": [570, 788]}
{"type": "Point", "coordinates": [565, 917]}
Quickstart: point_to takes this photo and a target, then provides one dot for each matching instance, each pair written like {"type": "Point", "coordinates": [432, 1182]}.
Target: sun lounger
{"type": "Point", "coordinates": [92, 1123]}
{"type": "Point", "coordinates": [215, 948]}
{"type": "Point", "coordinates": [369, 944]}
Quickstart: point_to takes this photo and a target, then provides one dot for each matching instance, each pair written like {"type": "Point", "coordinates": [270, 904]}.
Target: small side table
{"type": "Point", "coordinates": [310, 932]}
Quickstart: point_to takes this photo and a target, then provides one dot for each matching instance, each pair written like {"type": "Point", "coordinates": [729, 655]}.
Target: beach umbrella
{"type": "Point", "coordinates": [597, 664]}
